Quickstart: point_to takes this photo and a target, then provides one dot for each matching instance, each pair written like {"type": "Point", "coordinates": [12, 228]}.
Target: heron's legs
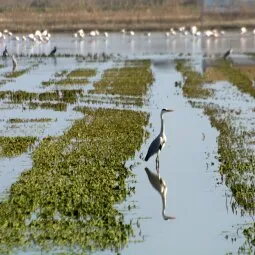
{"type": "Point", "coordinates": [157, 164]}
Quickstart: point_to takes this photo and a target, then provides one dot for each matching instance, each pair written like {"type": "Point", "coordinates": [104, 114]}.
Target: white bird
{"type": "Point", "coordinates": [193, 30]}
{"type": "Point", "coordinates": [92, 33]}
{"type": "Point", "coordinates": [243, 30]}
{"type": "Point", "coordinates": [106, 34]}
{"type": "Point", "coordinates": [167, 34]}
{"type": "Point", "coordinates": [123, 31]}
{"type": "Point", "coordinates": [173, 32]}
{"type": "Point", "coordinates": [159, 142]}
{"type": "Point", "coordinates": [159, 184]}
{"type": "Point", "coordinates": [131, 33]}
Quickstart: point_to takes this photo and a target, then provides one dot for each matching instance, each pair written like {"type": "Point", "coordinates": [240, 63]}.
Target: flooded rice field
{"type": "Point", "coordinates": [75, 129]}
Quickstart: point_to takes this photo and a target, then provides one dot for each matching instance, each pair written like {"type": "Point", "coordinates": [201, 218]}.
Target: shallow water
{"type": "Point", "coordinates": [187, 163]}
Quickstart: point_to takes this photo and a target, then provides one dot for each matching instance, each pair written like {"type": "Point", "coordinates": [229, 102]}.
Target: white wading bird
{"type": "Point", "coordinates": [159, 142]}
{"type": "Point", "coordinates": [160, 185]}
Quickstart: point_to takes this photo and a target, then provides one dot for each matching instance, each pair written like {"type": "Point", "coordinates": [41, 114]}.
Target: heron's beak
{"type": "Point", "coordinates": [169, 110]}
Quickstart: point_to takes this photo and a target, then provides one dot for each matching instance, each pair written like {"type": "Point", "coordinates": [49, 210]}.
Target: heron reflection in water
{"type": "Point", "coordinates": [159, 184]}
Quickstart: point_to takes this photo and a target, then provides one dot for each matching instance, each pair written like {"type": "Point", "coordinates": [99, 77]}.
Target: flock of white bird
{"type": "Point", "coordinates": [44, 36]}
{"type": "Point", "coordinates": [193, 30]}
{"type": "Point", "coordinates": [37, 37]}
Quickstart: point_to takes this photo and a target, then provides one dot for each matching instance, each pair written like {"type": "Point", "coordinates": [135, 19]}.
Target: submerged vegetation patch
{"type": "Point", "coordinates": [82, 72]}
{"type": "Point", "coordinates": [14, 146]}
{"type": "Point", "coordinates": [238, 77]}
{"type": "Point", "coordinates": [194, 81]}
{"type": "Point", "coordinates": [237, 168]}
{"type": "Point", "coordinates": [16, 74]}
{"type": "Point", "coordinates": [18, 120]}
{"type": "Point", "coordinates": [236, 158]}
{"type": "Point", "coordinates": [129, 80]}
{"type": "Point", "coordinates": [66, 81]}
{"type": "Point", "coordinates": [69, 197]}
{"type": "Point", "coordinates": [62, 107]}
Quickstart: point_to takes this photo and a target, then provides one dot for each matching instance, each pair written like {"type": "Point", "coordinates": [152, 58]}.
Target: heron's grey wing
{"type": "Point", "coordinates": [154, 147]}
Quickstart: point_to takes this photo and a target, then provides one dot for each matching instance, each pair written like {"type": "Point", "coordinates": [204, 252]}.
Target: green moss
{"type": "Point", "coordinates": [54, 106]}
{"type": "Point", "coordinates": [82, 73]}
{"type": "Point", "coordinates": [17, 120]}
{"type": "Point", "coordinates": [61, 74]}
{"type": "Point", "coordinates": [237, 77]}
{"type": "Point", "coordinates": [132, 81]}
{"type": "Point", "coordinates": [69, 197]}
{"type": "Point", "coordinates": [16, 74]}
{"type": "Point", "coordinates": [194, 81]}
{"type": "Point", "coordinates": [66, 81]}
{"type": "Point", "coordinates": [14, 146]}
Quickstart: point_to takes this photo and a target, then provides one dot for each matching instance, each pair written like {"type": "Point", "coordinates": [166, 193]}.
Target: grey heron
{"type": "Point", "coordinates": [159, 142]}
{"type": "Point", "coordinates": [227, 53]}
{"type": "Point", "coordinates": [14, 63]}
{"type": "Point", "coordinates": [159, 184]}
{"type": "Point", "coordinates": [53, 52]}
{"type": "Point", "coordinates": [5, 52]}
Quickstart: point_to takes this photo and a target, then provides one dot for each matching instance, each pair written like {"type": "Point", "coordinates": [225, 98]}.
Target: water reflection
{"type": "Point", "coordinates": [159, 184]}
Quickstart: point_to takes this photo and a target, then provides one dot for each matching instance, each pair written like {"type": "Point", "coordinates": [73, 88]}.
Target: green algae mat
{"type": "Point", "coordinates": [69, 197]}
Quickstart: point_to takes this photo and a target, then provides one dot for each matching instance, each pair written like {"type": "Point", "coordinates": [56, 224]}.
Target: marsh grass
{"type": "Point", "coordinates": [74, 185]}
{"type": "Point", "coordinates": [66, 82]}
{"type": "Point", "coordinates": [129, 80]}
{"type": "Point", "coordinates": [18, 120]}
{"type": "Point", "coordinates": [236, 158]}
{"type": "Point", "coordinates": [238, 77]}
{"type": "Point", "coordinates": [61, 107]}
{"type": "Point", "coordinates": [14, 146]}
{"type": "Point", "coordinates": [194, 81]}
{"type": "Point", "coordinates": [82, 73]}
{"type": "Point", "coordinates": [16, 74]}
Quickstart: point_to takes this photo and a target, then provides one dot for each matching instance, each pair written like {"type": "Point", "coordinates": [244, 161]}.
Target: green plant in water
{"type": "Point", "coordinates": [66, 81]}
{"type": "Point", "coordinates": [69, 197]}
{"type": "Point", "coordinates": [54, 106]}
{"type": "Point", "coordinates": [16, 74]}
{"type": "Point", "coordinates": [18, 120]}
{"type": "Point", "coordinates": [82, 73]}
{"type": "Point", "coordinates": [237, 77]}
{"type": "Point", "coordinates": [194, 81]}
{"type": "Point", "coordinates": [128, 80]}
{"type": "Point", "coordinates": [14, 146]}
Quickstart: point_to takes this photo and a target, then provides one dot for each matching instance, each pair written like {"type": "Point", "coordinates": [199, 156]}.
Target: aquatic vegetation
{"type": "Point", "coordinates": [61, 107]}
{"type": "Point", "coordinates": [194, 81]}
{"type": "Point", "coordinates": [14, 146]}
{"type": "Point", "coordinates": [16, 74]}
{"type": "Point", "coordinates": [117, 100]}
{"type": "Point", "coordinates": [237, 77]}
{"type": "Point", "coordinates": [61, 74]}
{"type": "Point", "coordinates": [237, 167]}
{"type": "Point", "coordinates": [130, 80]}
{"type": "Point", "coordinates": [236, 158]}
{"type": "Point", "coordinates": [82, 72]}
{"type": "Point", "coordinates": [66, 81]}
{"type": "Point", "coordinates": [19, 96]}
{"type": "Point", "coordinates": [69, 197]}
{"type": "Point", "coordinates": [18, 120]}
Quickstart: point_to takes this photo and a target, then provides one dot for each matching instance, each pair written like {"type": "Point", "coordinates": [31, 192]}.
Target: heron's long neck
{"type": "Point", "coordinates": [162, 131]}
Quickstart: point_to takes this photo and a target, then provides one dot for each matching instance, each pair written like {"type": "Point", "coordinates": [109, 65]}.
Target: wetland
{"type": "Point", "coordinates": [74, 131]}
